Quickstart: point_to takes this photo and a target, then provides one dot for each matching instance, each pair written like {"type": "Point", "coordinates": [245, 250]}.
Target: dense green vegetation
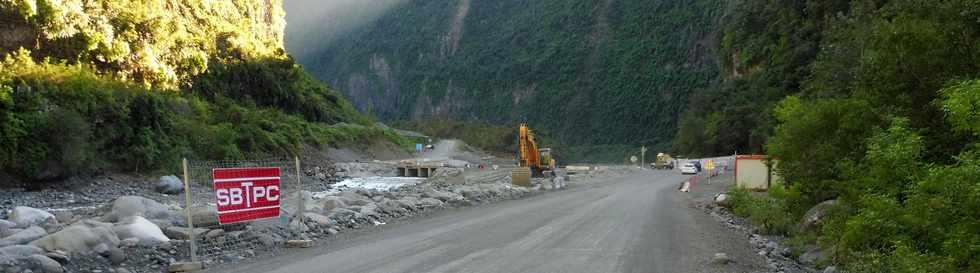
{"type": "Point", "coordinates": [130, 86]}
{"type": "Point", "coordinates": [156, 43]}
{"type": "Point", "coordinates": [586, 72]}
{"type": "Point", "coordinates": [882, 116]}
{"type": "Point", "coordinates": [765, 49]}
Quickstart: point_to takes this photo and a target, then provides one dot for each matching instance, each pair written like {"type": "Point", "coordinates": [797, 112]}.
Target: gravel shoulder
{"type": "Point", "coordinates": [632, 223]}
{"type": "Point", "coordinates": [767, 247]}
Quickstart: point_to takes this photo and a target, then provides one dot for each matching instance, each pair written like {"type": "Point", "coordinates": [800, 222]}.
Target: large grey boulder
{"type": "Point", "coordinates": [814, 218]}
{"type": "Point", "coordinates": [129, 206]}
{"type": "Point", "coordinates": [20, 250]}
{"type": "Point", "coordinates": [183, 233]}
{"type": "Point", "coordinates": [81, 237]}
{"type": "Point", "coordinates": [169, 185]}
{"type": "Point", "coordinates": [148, 233]}
{"type": "Point", "coordinates": [723, 200]}
{"type": "Point", "coordinates": [59, 256]}
{"type": "Point", "coordinates": [28, 216]}
{"type": "Point", "coordinates": [204, 216]}
{"type": "Point", "coordinates": [64, 216]}
{"type": "Point", "coordinates": [45, 264]}
{"type": "Point", "coordinates": [214, 233]}
{"type": "Point", "coordinates": [24, 236]}
{"type": "Point", "coordinates": [8, 232]}
{"type": "Point", "coordinates": [6, 225]}
{"type": "Point", "coordinates": [22, 258]}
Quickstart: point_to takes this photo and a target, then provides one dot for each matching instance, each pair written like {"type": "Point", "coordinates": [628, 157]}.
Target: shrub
{"type": "Point", "coordinates": [768, 214]}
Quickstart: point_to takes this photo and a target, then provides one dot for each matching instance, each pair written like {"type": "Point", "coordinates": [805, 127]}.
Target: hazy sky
{"type": "Point", "coordinates": [311, 23]}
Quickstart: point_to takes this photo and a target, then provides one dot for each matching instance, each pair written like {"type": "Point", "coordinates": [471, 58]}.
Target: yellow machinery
{"type": "Point", "coordinates": [532, 160]}
{"type": "Point", "coordinates": [664, 162]}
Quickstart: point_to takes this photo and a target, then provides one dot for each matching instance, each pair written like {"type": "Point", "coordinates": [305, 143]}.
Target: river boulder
{"type": "Point", "coordinates": [27, 216]}
{"type": "Point", "coordinates": [24, 236]}
{"type": "Point", "coordinates": [148, 233]}
{"type": "Point", "coordinates": [81, 237]}
{"type": "Point", "coordinates": [815, 216]}
{"type": "Point", "coordinates": [169, 185]}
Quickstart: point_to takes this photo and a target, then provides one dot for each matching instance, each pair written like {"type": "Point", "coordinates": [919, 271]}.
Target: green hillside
{"type": "Point", "coordinates": [587, 73]}
{"type": "Point", "coordinates": [870, 103]}
{"type": "Point", "coordinates": [116, 85]}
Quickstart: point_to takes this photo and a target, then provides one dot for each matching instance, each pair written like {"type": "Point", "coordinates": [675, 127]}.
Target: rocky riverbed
{"type": "Point", "coordinates": [125, 224]}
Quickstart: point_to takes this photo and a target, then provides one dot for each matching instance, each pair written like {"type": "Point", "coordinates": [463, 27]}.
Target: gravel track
{"type": "Point", "coordinates": [633, 223]}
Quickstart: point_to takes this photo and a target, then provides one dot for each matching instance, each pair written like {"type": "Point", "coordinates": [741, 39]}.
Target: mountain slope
{"type": "Point", "coordinates": [599, 72]}
{"type": "Point", "coordinates": [120, 85]}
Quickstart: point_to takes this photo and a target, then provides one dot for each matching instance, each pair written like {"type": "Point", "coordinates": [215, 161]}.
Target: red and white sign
{"type": "Point", "coordinates": [246, 194]}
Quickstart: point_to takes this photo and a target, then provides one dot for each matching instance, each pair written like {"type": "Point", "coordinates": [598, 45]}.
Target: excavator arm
{"type": "Point", "coordinates": [528, 148]}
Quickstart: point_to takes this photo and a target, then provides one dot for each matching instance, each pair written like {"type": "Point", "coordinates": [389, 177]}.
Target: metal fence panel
{"type": "Point", "coordinates": [211, 242]}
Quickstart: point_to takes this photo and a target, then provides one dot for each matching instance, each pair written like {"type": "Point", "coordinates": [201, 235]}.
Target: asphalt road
{"type": "Point", "coordinates": [635, 223]}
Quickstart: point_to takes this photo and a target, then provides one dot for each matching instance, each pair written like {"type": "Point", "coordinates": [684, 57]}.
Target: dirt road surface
{"type": "Point", "coordinates": [633, 223]}
{"type": "Point", "coordinates": [443, 150]}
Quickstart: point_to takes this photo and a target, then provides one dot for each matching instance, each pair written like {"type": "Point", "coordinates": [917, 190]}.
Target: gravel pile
{"type": "Point", "coordinates": [777, 256]}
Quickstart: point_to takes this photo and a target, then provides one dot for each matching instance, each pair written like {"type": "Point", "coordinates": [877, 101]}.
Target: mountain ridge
{"type": "Point", "coordinates": [588, 72]}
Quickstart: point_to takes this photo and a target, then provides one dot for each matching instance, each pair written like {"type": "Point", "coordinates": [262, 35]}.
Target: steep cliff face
{"type": "Point", "coordinates": [586, 71]}
{"type": "Point", "coordinates": [157, 43]}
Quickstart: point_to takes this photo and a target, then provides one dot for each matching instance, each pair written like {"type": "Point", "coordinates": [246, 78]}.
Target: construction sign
{"type": "Point", "coordinates": [246, 194]}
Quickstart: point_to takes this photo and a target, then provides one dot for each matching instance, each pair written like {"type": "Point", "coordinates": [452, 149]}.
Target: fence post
{"type": "Point", "coordinates": [187, 209]}
{"type": "Point", "coordinates": [302, 199]}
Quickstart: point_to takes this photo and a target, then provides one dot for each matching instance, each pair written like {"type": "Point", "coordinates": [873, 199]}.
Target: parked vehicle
{"type": "Point", "coordinates": [688, 168]}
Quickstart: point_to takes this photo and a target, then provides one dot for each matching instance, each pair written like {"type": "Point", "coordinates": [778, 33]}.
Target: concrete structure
{"type": "Point", "coordinates": [416, 169]}
{"type": "Point", "coordinates": [752, 173]}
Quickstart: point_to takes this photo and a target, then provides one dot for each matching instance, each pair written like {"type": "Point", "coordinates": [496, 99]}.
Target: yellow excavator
{"type": "Point", "coordinates": [532, 161]}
